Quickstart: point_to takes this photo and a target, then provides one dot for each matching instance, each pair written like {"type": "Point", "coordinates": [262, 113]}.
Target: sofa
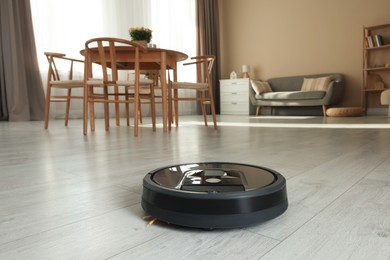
{"type": "Point", "coordinates": [298, 91]}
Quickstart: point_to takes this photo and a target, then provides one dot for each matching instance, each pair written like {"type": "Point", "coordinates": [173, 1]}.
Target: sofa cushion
{"type": "Point", "coordinates": [260, 86]}
{"type": "Point", "coordinates": [291, 95]}
{"type": "Point", "coordinates": [315, 84]}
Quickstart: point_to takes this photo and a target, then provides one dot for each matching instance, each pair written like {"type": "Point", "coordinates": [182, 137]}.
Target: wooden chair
{"type": "Point", "coordinates": [104, 51]}
{"type": "Point", "coordinates": [203, 88]}
{"type": "Point", "coordinates": [55, 81]}
{"type": "Point", "coordinates": [147, 95]}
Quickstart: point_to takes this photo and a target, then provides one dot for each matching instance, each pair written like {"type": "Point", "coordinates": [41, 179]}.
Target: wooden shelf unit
{"type": "Point", "coordinates": [371, 55]}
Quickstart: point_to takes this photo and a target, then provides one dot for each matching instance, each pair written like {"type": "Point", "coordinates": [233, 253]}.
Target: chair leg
{"type": "Point", "coordinates": [258, 110]}
{"type": "Point", "coordinates": [91, 109]}
{"type": "Point", "coordinates": [388, 112]}
{"type": "Point", "coordinates": [153, 108]}
{"type": "Point", "coordinates": [213, 113]}
{"type": "Point", "coordinates": [127, 109]}
{"type": "Point", "coordinates": [212, 106]}
{"type": "Point", "coordinates": [106, 110]}
{"type": "Point", "coordinates": [136, 109]}
{"type": "Point", "coordinates": [271, 110]}
{"type": "Point", "coordinates": [203, 107]}
{"type": "Point", "coordinates": [170, 111]}
{"type": "Point", "coordinates": [324, 110]}
{"type": "Point", "coordinates": [140, 111]}
{"type": "Point", "coordinates": [67, 106]}
{"type": "Point", "coordinates": [92, 115]}
{"type": "Point", "coordinates": [117, 111]}
{"type": "Point", "coordinates": [85, 110]}
{"type": "Point", "coordinates": [47, 107]}
{"type": "Point", "coordinates": [176, 106]}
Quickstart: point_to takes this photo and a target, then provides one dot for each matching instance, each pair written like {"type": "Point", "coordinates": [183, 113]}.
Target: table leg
{"type": "Point", "coordinates": [85, 110]}
{"type": "Point", "coordinates": [164, 90]}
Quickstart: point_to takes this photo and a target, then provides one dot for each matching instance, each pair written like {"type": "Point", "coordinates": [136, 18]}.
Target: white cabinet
{"type": "Point", "coordinates": [234, 96]}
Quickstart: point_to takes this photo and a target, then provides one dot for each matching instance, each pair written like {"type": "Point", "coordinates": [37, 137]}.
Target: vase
{"type": "Point", "coordinates": [141, 43]}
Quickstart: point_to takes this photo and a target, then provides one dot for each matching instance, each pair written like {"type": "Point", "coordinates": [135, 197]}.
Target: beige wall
{"type": "Point", "coordinates": [283, 38]}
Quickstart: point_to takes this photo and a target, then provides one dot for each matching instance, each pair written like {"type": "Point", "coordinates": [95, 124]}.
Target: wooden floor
{"type": "Point", "coordinates": [66, 196]}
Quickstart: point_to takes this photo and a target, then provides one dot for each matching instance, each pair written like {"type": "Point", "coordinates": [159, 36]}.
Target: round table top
{"type": "Point", "coordinates": [179, 56]}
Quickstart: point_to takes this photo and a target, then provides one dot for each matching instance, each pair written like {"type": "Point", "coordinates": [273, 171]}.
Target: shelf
{"type": "Point", "coordinates": [374, 89]}
{"type": "Point", "coordinates": [376, 69]}
{"type": "Point", "coordinates": [378, 47]}
{"type": "Point", "coordinates": [377, 27]}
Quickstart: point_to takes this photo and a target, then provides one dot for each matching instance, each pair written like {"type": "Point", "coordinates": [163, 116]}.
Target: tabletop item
{"type": "Point", "coordinates": [140, 34]}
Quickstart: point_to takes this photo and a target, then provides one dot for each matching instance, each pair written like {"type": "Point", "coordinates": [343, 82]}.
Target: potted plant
{"type": "Point", "coordinates": [140, 34]}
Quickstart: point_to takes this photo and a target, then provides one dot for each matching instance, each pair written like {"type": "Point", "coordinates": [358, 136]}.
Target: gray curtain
{"type": "Point", "coordinates": [208, 39]}
{"type": "Point", "coordinates": [21, 93]}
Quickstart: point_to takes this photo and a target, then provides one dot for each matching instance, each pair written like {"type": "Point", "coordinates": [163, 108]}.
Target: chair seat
{"type": "Point", "coordinates": [142, 82]}
{"type": "Point", "coordinates": [66, 83]}
{"type": "Point", "coordinates": [99, 82]}
{"type": "Point", "coordinates": [144, 85]}
{"type": "Point", "coordinates": [190, 85]}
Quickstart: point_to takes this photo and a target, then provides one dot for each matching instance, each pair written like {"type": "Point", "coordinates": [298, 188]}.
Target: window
{"type": "Point", "coordinates": [64, 26]}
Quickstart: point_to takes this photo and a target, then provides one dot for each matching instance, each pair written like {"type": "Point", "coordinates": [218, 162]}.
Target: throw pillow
{"type": "Point", "coordinates": [315, 84]}
{"type": "Point", "coordinates": [260, 86]}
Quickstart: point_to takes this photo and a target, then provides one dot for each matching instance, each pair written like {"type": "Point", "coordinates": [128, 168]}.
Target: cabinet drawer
{"type": "Point", "coordinates": [234, 89]}
{"type": "Point", "coordinates": [235, 108]}
{"type": "Point", "coordinates": [231, 97]}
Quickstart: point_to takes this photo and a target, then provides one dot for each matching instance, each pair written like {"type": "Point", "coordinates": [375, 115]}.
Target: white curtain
{"type": "Point", "coordinates": [64, 26]}
{"type": "Point", "coordinates": [174, 27]}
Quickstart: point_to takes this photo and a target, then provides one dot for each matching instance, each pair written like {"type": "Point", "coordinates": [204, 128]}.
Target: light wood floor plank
{"type": "Point", "coordinates": [356, 226]}
{"type": "Point", "coordinates": [67, 196]}
{"type": "Point", "coordinates": [200, 244]}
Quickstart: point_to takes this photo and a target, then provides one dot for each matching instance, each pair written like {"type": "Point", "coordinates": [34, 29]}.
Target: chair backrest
{"type": "Point", "coordinates": [204, 67]}
{"type": "Point", "coordinates": [104, 52]}
{"type": "Point", "coordinates": [52, 58]}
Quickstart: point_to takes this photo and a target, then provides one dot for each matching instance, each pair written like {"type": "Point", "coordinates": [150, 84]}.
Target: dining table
{"type": "Point", "coordinates": [157, 59]}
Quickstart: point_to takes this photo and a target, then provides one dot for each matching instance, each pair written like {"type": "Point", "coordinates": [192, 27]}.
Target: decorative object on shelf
{"type": "Point", "coordinates": [375, 81]}
{"type": "Point", "coordinates": [372, 41]}
{"type": "Point", "coordinates": [385, 100]}
{"type": "Point", "coordinates": [140, 34]}
{"type": "Point", "coordinates": [233, 75]}
{"type": "Point", "coordinates": [245, 70]}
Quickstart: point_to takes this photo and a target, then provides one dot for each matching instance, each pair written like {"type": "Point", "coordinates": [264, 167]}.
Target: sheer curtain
{"type": "Point", "coordinates": [64, 26]}
{"type": "Point", "coordinates": [174, 27]}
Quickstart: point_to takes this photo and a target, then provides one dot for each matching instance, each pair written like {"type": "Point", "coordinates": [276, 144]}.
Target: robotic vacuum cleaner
{"type": "Point", "coordinates": [214, 195]}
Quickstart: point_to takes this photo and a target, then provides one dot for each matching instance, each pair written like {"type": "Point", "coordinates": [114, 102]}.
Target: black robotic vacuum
{"type": "Point", "coordinates": [214, 195]}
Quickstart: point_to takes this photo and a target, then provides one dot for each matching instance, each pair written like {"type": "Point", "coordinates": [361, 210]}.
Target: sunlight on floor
{"type": "Point", "coordinates": [379, 122]}
{"type": "Point", "coordinates": [298, 125]}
